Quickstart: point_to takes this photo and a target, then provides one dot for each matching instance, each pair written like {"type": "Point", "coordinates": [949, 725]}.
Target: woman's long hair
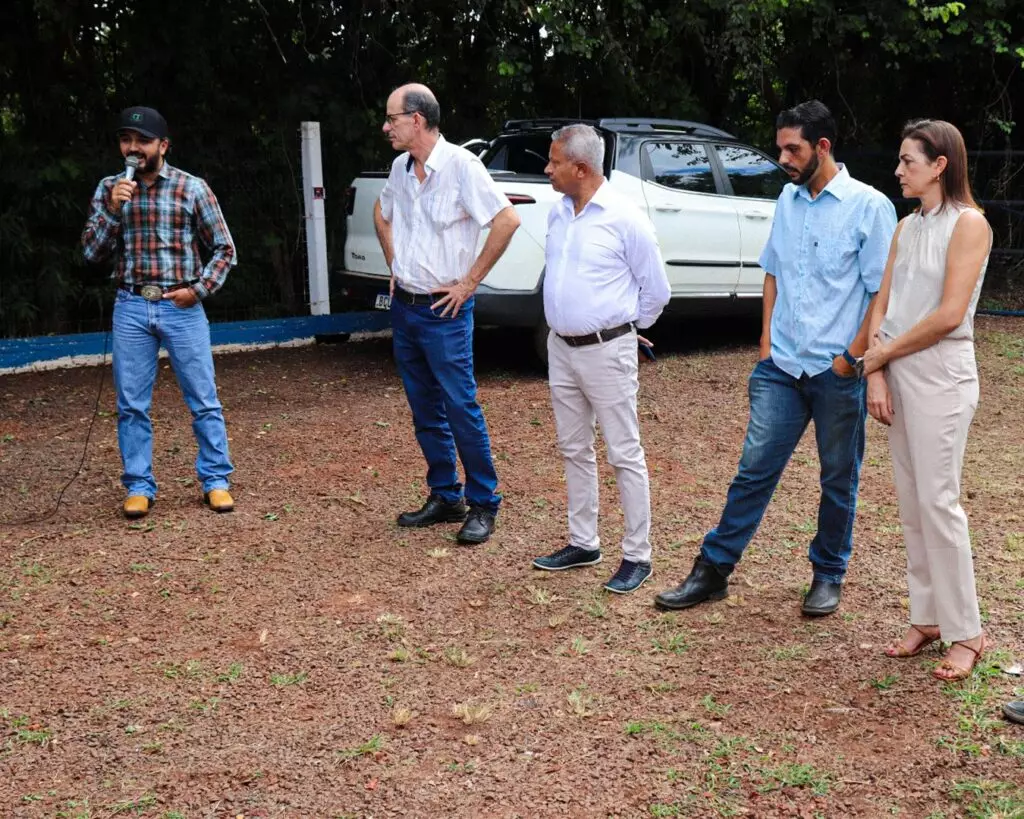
{"type": "Point", "coordinates": [940, 138]}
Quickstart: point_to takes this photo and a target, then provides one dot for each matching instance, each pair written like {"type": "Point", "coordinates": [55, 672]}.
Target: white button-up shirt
{"type": "Point", "coordinates": [436, 223]}
{"type": "Point", "coordinates": [604, 266]}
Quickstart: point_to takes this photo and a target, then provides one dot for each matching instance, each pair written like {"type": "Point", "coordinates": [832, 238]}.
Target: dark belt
{"type": "Point", "coordinates": [599, 336]}
{"type": "Point", "coordinates": [406, 297]}
{"type": "Point", "coordinates": [154, 292]}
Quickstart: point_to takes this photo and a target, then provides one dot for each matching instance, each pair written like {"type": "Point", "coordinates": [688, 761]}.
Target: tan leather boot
{"type": "Point", "coordinates": [136, 506]}
{"type": "Point", "coordinates": [219, 500]}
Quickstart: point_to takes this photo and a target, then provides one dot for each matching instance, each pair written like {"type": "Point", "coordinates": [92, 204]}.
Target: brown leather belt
{"type": "Point", "coordinates": [406, 297]}
{"type": "Point", "coordinates": [598, 337]}
{"type": "Point", "coordinates": [154, 292]}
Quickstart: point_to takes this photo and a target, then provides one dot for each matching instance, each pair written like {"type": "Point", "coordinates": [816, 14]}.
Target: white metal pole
{"type": "Point", "coordinates": [316, 224]}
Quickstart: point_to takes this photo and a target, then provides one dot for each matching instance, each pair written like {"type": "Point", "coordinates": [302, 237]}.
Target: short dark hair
{"type": "Point", "coordinates": [813, 119]}
{"type": "Point", "coordinates": [417, 102]}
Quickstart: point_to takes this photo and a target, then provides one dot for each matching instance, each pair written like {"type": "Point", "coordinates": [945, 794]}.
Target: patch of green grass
{"type": "Point", "coordinates": [458, 658]}
{"type": "Point", "coordinates": [989, 799]}
{"type": "Point", "coordinates": [885, 683]}
{"type": "Point", "coordinates": [284, 680]}
{"type": "Point", "coordinates": [670, 644]}
{"type": "Point", "coordinates": [662, 687]}
{"type": "Point", "coordinates": [579, 646]}
{"type": "Point", "coordinates": [29, 736]}
{"type": "Point", "coordinates": [715, 708]}
{"type": "Point", "coordinates": [783, 653]}
{"type": "Point", "coordinates": [233, 674]}
{"type": "Point", "coordinates": [538, 596]}
{"type": "Point", "coordinates": [373, 745]}
{"type": "Point", "coordinates": [391, 626]}
{"type": "Point", "coordinates": [596, 607]}
{"type": "Point", "coordinates": [795, 775]}
{"type": "Point", "coordinates": [135, 806]}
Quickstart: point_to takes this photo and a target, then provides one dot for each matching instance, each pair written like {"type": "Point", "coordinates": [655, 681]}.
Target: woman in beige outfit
{"type": "Point", "coordinates": [923, 383]}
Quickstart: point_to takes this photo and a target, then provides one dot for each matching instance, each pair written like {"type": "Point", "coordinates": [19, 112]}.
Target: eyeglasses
{"type": "Point", "coordinates": [390, 118]}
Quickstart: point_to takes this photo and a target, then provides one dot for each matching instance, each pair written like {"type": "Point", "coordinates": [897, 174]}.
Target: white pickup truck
{"type": "Point", "coordinates": [711, 200]}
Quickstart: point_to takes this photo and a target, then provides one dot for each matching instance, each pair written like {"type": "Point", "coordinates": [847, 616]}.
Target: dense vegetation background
{"type": "Point", "coordinates": [236, 77]}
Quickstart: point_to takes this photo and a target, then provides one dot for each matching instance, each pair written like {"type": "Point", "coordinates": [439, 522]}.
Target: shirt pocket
{"type": "Point", "coordinates": [835, 251]}
{"type": "Point", "coordinates": [443, 209]}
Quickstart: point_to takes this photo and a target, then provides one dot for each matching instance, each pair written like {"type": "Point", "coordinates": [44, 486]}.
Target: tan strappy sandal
{"type": "Point", "coordinates": [901, 652]}
{"type": "Point", "coordinates": [950, 672]}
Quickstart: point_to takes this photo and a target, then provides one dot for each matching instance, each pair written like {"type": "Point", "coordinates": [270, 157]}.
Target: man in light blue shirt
{"type": "Point", "coordinates": [823, 266]}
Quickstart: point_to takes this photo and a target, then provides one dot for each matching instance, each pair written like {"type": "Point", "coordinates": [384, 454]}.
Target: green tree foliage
{"type": "Point", "coordinates": [236, 77]}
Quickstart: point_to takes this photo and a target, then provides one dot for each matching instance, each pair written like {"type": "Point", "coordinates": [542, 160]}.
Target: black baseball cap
{"type": "Point", "coordinates": [147, 121]}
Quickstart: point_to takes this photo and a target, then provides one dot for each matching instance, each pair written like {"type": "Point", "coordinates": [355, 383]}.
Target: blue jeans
{"type": "Point", "coordinates": [435, 360]}
{"type": "Point", "coordinates": [140, 327]}
{"type": "Point", "coordinates": [780, 409]}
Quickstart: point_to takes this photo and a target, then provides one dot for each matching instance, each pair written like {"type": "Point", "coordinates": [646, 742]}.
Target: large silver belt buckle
{"type": "Point", "coordinates": [150, 292]}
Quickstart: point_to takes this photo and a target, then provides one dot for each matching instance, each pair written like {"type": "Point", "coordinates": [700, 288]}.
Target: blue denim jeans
{"type": "Point", "coordinates": [435, 360]}
{"type": "Point", "coordinates": [780, 409]}
{"type": "Point", "coordinates": [140, 327]}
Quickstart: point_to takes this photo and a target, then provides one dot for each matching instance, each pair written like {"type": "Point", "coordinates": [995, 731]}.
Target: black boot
{"type": "Point", "coordinates": [822, 598]}
{"type": "Point", "coordinates": [705, 582]}
{"type": "Point", "coordinates": [435, 510]}
{"type": "Point", "coordinates": [477, 528]}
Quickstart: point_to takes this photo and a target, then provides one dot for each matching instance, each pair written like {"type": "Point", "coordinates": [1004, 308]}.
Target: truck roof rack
{"type": "Point", "coordinates": [678, 126]}
{"type": "Point", "coordinates": [543, 123]}
{"type": "Point", "coordinates": [649, 124]}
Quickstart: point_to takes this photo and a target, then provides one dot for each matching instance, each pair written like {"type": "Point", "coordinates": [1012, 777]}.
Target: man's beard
{"type": "Point", "coordinates": [809, 171]}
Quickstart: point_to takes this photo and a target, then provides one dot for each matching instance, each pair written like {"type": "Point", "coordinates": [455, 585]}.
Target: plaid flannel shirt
{"type": "Point", "coordinates": [155, 237]}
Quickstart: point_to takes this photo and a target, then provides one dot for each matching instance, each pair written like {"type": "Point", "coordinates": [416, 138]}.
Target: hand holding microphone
{"type": "Point", "coordinates": [124, 188]}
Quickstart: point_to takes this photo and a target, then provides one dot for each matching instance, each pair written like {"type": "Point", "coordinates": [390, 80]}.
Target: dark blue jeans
{"type": "Point", "coordinates": [780, 409]}
{"type": "Point", "coordinates": [435, 360]}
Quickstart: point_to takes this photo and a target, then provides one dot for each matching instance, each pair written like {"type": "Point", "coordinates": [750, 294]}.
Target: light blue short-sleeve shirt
{"type": "Point", "coordinates": [827, 255]}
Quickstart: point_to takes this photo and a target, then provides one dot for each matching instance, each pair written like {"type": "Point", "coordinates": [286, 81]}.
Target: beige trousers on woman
{"type": "Point", "coordinates": [934, 394]}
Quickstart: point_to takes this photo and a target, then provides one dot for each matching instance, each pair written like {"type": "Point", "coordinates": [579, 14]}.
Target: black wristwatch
{"type": "Point", "coordinates": [856, 363]}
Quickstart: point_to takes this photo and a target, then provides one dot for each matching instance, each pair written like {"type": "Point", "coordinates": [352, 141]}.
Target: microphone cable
{"type": "Point", "coordinates": [85, 447]}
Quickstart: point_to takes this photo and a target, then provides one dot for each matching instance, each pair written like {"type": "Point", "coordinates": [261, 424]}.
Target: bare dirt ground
{"type": "Point", "coordinates": [303, 657]}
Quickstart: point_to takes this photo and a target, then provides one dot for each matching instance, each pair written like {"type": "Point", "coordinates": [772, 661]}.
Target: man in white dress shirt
{"type": "Point", "coordinates": [437, 199]}
{"type": "Point", "coordinates": [604, 278]}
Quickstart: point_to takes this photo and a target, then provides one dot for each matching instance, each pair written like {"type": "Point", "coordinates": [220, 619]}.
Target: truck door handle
{"type": "Point", "coordinates": [666, 209]}
{"type": "Point", "coordinates": [760, 217]}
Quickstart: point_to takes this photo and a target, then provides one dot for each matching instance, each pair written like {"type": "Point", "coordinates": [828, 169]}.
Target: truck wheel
{"type": "Point", "coordinates": [540, 342]}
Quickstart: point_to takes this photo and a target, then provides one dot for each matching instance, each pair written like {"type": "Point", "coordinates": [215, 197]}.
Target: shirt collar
{"type": "Point", "coordinates": [838, 186]}
{"type": "Point", "coordinates": [600, 199]}
{"type": "Point", "coordinates": [439, 156]}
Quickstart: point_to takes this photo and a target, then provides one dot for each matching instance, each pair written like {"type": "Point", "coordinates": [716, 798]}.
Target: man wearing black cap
{"type": "Point", "coordinates": [151, 228]}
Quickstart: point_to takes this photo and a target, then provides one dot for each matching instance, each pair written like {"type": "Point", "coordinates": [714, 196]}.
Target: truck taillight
{"type": "Point", "coordinates": [521, 199]}
{"type": "Point", "coordinates": [350, 201]}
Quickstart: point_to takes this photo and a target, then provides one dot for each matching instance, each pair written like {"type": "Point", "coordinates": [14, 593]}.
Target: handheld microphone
{"type": "Point", "coordinates": [130, 164]}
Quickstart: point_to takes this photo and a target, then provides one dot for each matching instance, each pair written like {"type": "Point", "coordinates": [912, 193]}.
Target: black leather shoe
{"type": "Point", "coordinates": [435, 510]}
{"type": "Point", "coordinates": [477, 528]}
{"type": "Point", "coordinates": [823, 598]}
{"type": "Point", "coordinates": [1014, 711]}
{"type": "Point", "coordinates": [705, 582]}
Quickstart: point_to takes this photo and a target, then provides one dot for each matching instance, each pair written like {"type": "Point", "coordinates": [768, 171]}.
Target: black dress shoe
{"type": "Point", "coordinates": [477, 528]}
{"type": "Point", "coordinates": [705, 582]}
{"type": "Point", "coordinates": [435, 510]}
{"type": "Point", "coordinates": [823, 598]}
{"type": "Point", "coordinates": [1014, 711]}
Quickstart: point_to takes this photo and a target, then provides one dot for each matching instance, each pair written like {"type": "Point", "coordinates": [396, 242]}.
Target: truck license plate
{"type": "Point", "coordinates": [383, 302]}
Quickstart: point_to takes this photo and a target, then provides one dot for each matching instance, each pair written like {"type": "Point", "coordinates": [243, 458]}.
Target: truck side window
{"type": "Point", "coordinates": [680, 165]}
{"type": "Point", "coordinates": [751, 174]}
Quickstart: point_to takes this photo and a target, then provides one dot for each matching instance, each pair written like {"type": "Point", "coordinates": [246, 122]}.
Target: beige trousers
{"type": "Point", "coordinates": [934, 394]}
{"type": "Point", "coordinates": [599, 383]}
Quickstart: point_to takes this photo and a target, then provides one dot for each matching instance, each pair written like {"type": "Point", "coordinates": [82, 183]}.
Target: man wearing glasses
{"type": "Point", "coordinates": [429, 216]}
